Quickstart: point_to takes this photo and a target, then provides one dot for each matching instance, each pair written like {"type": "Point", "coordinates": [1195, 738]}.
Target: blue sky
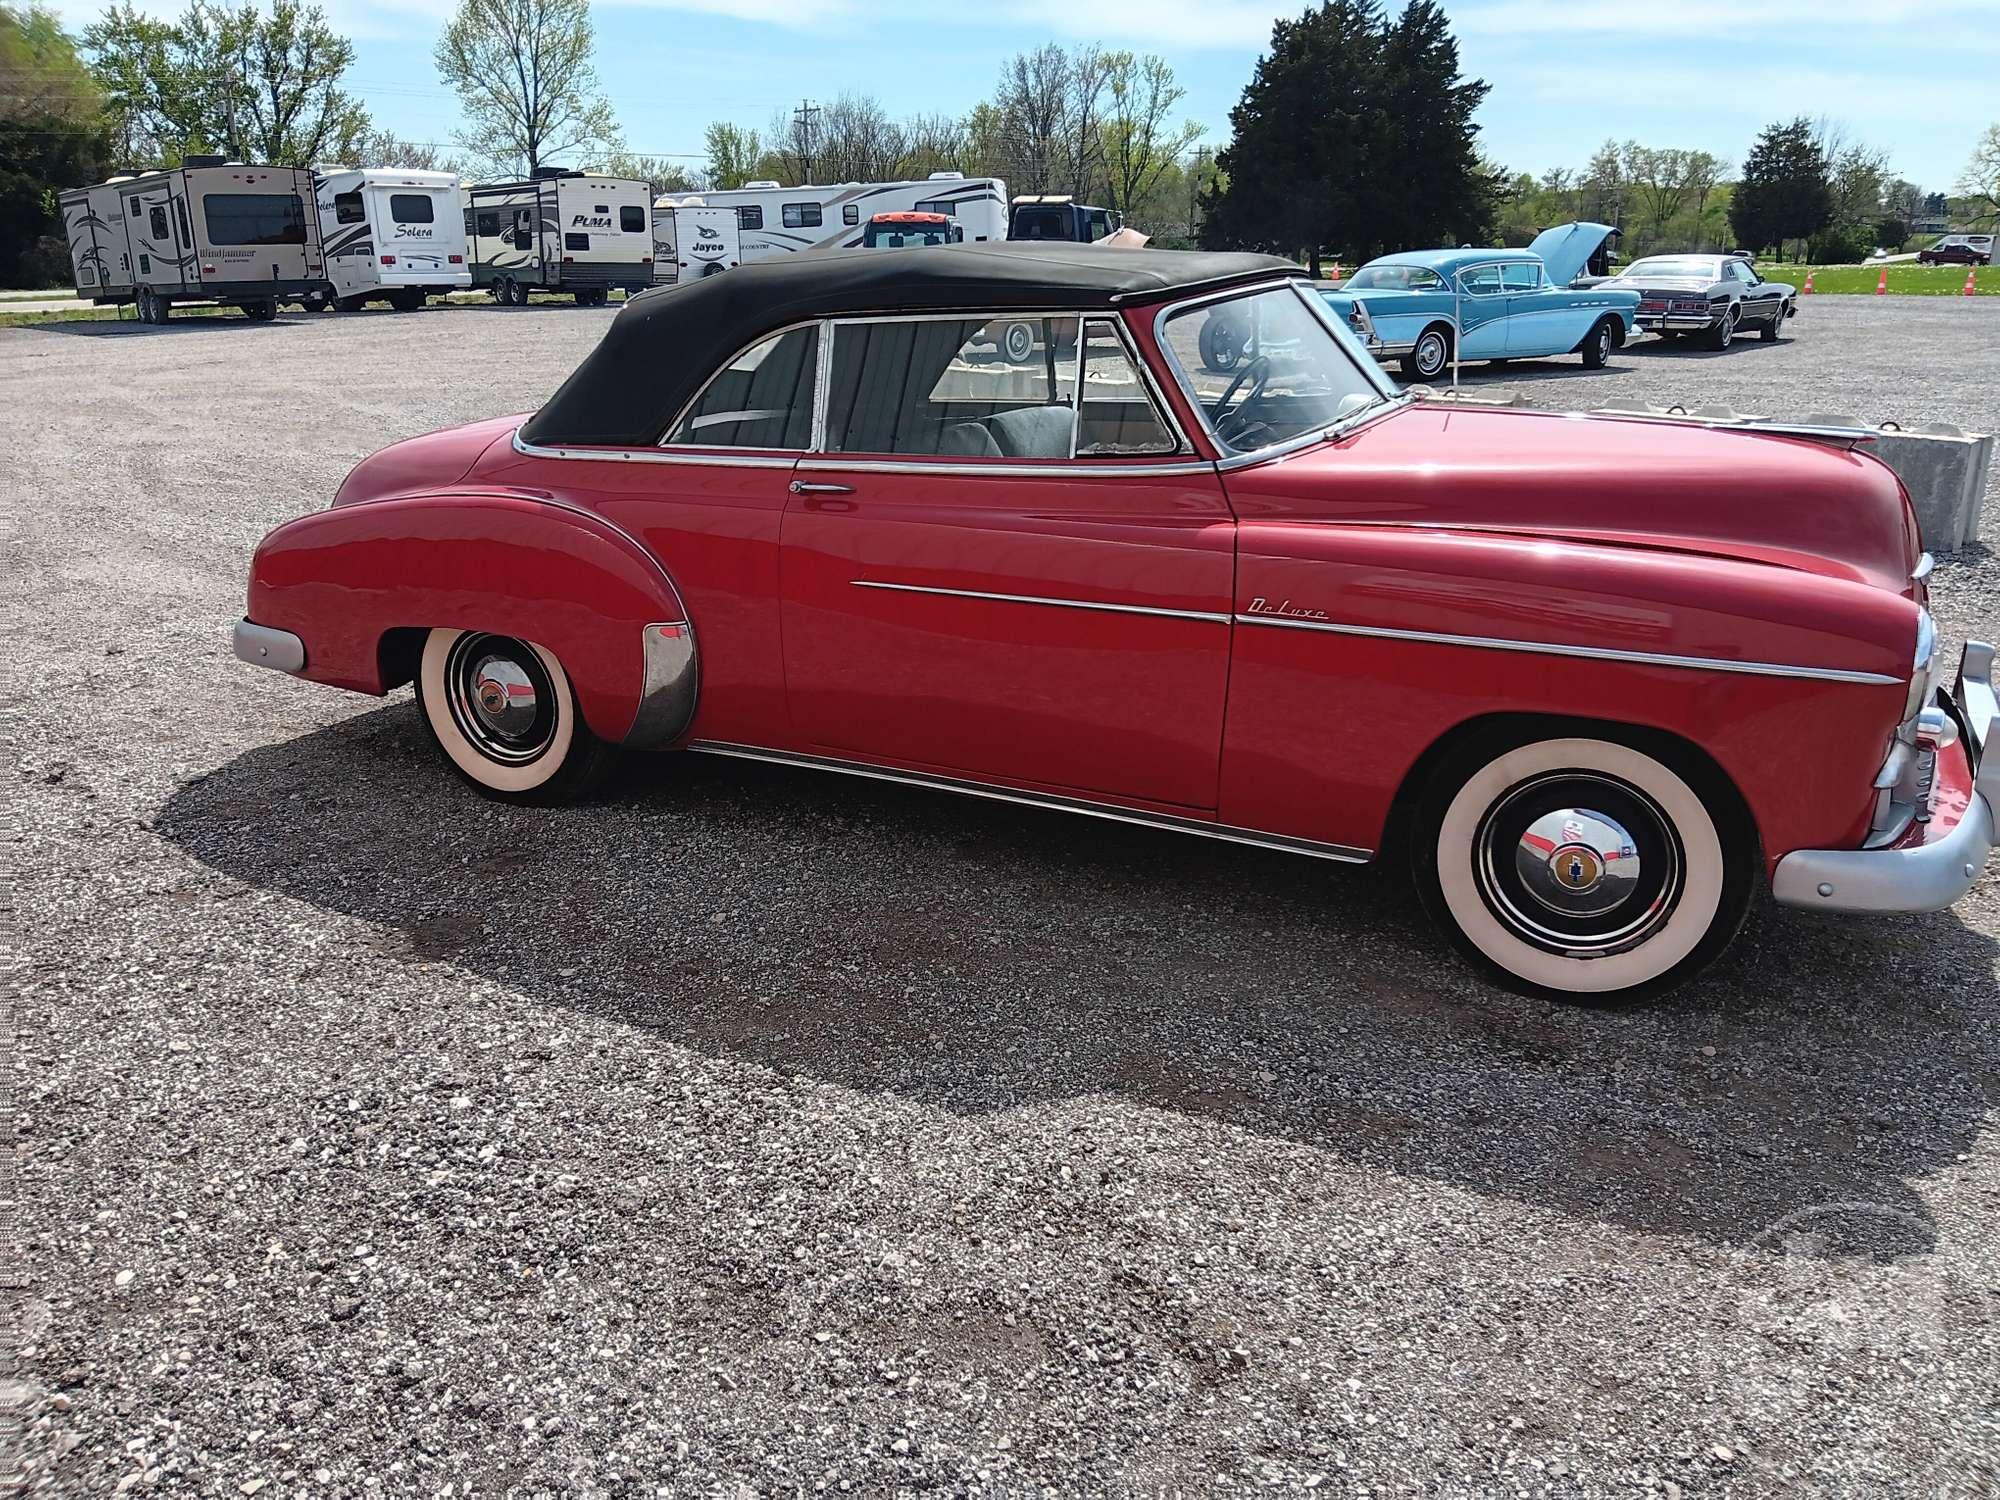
{"type": "Point", "coordinates": [1912, 76]}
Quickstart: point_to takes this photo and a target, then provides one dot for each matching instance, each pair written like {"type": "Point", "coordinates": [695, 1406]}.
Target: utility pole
{"type": "Point", "coordinates": [805, 136]}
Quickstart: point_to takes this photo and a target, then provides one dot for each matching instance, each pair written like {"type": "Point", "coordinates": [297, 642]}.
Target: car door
{"type": "Point", "coordinates": [1761, 299]}
{"type": "Point", "coordinates": [1538, 315]}
{"type": "Point", "coordinates": [981, 581]}
{"type": "Point", "coordinates": [1482, 312]}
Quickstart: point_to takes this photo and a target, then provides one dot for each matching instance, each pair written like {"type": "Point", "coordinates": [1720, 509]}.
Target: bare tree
{"type": "Point", "coordinates": [524, 74]}
{"type": "Point", "coordinates": [1140, 147]}
{"type": "Point", "coordinates": [934, 143]}
{"type": "Point", "coordinates": [383, 148]}
{"type": "Point", "coordinates": [1980, 181]}
{"type": "Point", "coordinates": [1083, 118]}
{"type": "Point", "coordinates": [1033, 104]}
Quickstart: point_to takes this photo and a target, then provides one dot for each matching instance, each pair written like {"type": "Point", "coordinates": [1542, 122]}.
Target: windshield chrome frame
{"type": "Point", "coordinates": [1388, 396]}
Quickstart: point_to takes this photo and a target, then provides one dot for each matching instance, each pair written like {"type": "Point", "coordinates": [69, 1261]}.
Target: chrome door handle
{"type": "Point", "coordinates": [805, 487]}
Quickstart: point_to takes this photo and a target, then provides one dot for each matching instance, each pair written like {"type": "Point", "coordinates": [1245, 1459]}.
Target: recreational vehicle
{"type": "Point", "coordinates": [776, 220]}
{"type": "Point", "coordinates": [391, 236]}
{"type": "Point", "coordinates": [691, 239]}
{"type": "Point", "coordinates": [209, 231]}
{"type": "Point", "coordinates": [560, 231]}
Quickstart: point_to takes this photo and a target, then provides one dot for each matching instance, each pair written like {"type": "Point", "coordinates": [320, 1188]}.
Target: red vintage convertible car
{"type": "Point", "coordinates": [1594, 677]}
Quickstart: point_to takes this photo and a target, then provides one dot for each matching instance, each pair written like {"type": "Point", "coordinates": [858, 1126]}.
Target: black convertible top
{"type": "Point", "coordinates": [667, 342]}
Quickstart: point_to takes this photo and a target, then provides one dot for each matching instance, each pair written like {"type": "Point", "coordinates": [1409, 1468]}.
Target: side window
{"type": "Point", "coordinates": [181, 212]}
{"type": "Point", "coordinates": [850, 213]}
{"type": "Point", "coordinates": [1100, 224]}
{"type": "Point", "coordinates": [750, 216]}
{"type": "Point", "coordinates": [576, 241]}
{"type": "Point", "coordinates": [1520, 276]}
{"type": "Point", "coordinates": [488, 221]}
{"type": "Point", "coordinates": [938, 206]}
{"type": "Point", "coordinates": [1479, 281]}
{"type": "Point", "coordinates": [1118, 414]}
{"type": "Point", "coordinates": [135, 206]}
{"type": "Point", "coordinates": [762, 399]}
{"type": "Point", "coordinates": [156, 220]}
{"type": "Point", "coordinates": [347, 208]}
{"type": "Point", "coordinates": [962, 388]}
{"type": "Point", "coordinates": [524, 229]}
{"type": "Point", "coordinates": [631, 220]}
{"type": "Point", "coordinates": [801, 215]}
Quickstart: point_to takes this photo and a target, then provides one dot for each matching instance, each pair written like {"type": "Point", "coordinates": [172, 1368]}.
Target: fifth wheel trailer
{"type": "Point", "coordinates": [391, 235]}
{"type": "Point", "coordinates": [210, 231]}
{"type": "Point", "coordinates": [560, 231]}
{"type": "Point", "coordinates": [776, 220]}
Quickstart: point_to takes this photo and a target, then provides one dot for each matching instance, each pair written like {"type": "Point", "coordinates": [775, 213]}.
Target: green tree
{"type": "Point", "coordinates": [52, 136]}
{"type": "Point", "coordinates": [1980, 182]}
{"type": "Point", "coordinates": [1140, 145]}
{"type": "Point", "coordinates": [658, 173]}
{"type": "Point", "coordinates": [525, 75]}
{"type": "Point", "coordinates": [1786, 192]}
{"type": "Point", "coordinates": [255, 87]}
{"type": "Point", "coordinates": [1354, 134]}
{"type": "Point", "coordinates": [733, 154]}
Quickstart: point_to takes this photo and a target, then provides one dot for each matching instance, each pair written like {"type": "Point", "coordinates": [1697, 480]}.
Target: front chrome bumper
{"type": "Point", "coordinates": [1940, 858]}
{"type": "Point", "coordinates": [262, 646]}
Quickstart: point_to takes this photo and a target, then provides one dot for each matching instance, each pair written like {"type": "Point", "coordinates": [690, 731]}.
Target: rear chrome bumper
{"type": "Point", "coordinates": [1941, 856]}
{"type": "Point", "coordinates": [262, 646]}
{"type": "Point", "coordinates": [1673, 322]}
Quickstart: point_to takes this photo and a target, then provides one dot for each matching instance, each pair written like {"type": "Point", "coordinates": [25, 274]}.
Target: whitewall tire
{"type": "Point", "coordinates": [1584, 866]}
{"type": "Point", "coordinates": [504, 714]}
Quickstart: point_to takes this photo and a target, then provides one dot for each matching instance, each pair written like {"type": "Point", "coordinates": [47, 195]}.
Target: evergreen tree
{"type": "Point", "coordinates": [1786, 192]}
{"type": "Point", "coordinates": [1355, 134]}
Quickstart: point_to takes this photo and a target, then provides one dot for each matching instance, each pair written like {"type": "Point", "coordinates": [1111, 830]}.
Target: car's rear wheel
{"type": "Point", "coordinates": [1583, 865]}
{"type": "Point", "coordinates": [503, 712]}
{"type": "Point", "coordinates": [1429, 355]}
{"type": "Point", "coordinates": [1017, 343]}
{"type": "Point", "coordinates": [1723, 334]}
{"type": "Point", "coordinates": [1220, 345]}
{"type": "Point", "coordinates": [1597, 347]}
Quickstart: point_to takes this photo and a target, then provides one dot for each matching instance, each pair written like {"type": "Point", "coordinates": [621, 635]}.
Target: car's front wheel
{"type": "Point", "coordinates": [1770, 331]}
{"type": "Point", "coordinates": [1598, 346]}
{"type": "Point", "coordinates": [503, 712]}
{"type": "Point", "coordinates": [1583, 865]}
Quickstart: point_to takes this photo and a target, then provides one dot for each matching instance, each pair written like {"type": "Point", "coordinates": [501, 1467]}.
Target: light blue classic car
{"type": "Point", "coordinates": [1417, 307]}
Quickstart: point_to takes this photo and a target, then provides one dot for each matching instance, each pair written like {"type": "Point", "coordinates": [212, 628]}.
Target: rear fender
{"type": "Point", "coordinates": [515, 564]}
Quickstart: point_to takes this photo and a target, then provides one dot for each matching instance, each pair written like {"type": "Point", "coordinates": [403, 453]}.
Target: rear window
{"type": "Point", "coordinates": [631, 220]}
{"type": "Point", "coordinates": [254, 218]}
{"type": "Point", "coordinates": [412, 208]}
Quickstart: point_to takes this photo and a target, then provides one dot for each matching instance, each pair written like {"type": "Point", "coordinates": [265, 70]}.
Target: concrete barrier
{"type": "Point", "coordinates": [1944, 468]}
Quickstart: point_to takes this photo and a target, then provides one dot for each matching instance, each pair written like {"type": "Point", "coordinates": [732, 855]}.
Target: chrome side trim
{"type": "Point", "coordinates": [261, 646]}
{"type": "Point", "coordinates": [1215, 617]}
{"type": "Point", "coordinates": [672, 683]}
{"type": "Point", "coordinates": [769, 459]}
{"type": "Point", "coordinates": [1110, 467]}
{"type": "Point", "coordinates": [1047, 801]}
{"type": "Point", "coordinates": [1593, 653]}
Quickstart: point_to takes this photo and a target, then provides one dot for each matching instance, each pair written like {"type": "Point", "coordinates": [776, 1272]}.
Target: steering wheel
{"type": "Point", "coordinates": [1228, 421]}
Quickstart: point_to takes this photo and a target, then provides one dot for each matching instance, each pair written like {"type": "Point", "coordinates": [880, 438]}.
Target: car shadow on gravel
{"type": "Point", "coordinates": [982, 958]}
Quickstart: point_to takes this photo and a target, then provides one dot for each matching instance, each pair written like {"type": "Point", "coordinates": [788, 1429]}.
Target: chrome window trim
{"type": "Point", "coordinates": [1169, 423]}
{"type": "Point", "coordinates": [1108, 467]}
{"type": "Point", "coordinates": [1216, 617]}
{"type": "Point", "coordinates": [1227, 457]}
{"type": "Point", "coordinates": [766, 458]}
{"type": "Point", "coordinates": [1592, 653]}
{"type": "Point", "coordinates": [1047, 801]}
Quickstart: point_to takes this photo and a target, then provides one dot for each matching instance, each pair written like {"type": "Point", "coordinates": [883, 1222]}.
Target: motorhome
{"type": "Point", "coordinates": [691, 239]}
{"type": "Point", "coordinates": [391, 235]}
{"type": "Point", "coordinates": [777, 220]}
{"type": "Point", "coordinates": [560, 231]}
{"type": "Point", "coordinates": [208, 231]}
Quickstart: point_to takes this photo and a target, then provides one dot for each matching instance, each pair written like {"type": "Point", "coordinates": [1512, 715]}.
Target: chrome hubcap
{"type": "Point", "coordinates": [501, 697]}
{"type": "Point", "coordinates": [1579, 863]}
{"type": "Point", "coordinates": [1430, 354]}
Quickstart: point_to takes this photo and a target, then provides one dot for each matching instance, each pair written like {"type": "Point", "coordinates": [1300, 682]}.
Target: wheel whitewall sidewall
{"type": "Point", "coordinates": [1691, 920]}
{"type": "Point", "coordinates": [464, 754]}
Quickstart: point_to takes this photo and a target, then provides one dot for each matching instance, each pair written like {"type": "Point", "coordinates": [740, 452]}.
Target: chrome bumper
{"type": "Point", "coordinates": [262, 646]}
{"type": "Point", "coordinates": [1673, 322]}
{"type": "Point", "coordinates": [1932, 872]}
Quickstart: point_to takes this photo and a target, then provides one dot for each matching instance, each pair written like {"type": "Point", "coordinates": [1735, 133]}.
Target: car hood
{"type": "Point", "coordinates": [1619, 481]}
{"type": "Point", "coordinates": [1567, 248]}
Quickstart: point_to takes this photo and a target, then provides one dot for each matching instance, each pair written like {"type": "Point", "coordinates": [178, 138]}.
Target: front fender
{"type": "Point", "coordinates": [514, 564]}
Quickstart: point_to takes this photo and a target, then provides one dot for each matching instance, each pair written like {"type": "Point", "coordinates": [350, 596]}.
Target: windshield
{"type": "Point", "coordinates": [1267, 367]}
{"type": "Point", "coordinates": [1393, 279]}
{"type": "Point", "coordinates": [1672, 265]}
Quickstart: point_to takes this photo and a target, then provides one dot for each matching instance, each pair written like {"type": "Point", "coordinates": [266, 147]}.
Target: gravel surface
{"type": "Point", "coordinates": [751, 1132]}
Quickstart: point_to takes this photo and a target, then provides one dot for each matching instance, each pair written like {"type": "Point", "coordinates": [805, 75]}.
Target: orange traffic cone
{"type": "Point", "coordinates": [1882, 283]}
{"type": "Point", "coordinates": [1806, 290]}
{"type": "Point", "coordinates": [1970, 290]}
{"type": "Point", "coordinates": [1336, 271]}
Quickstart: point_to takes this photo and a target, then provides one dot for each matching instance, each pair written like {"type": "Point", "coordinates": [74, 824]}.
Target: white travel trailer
{"type": "Point", "coordinates": [560, 231]}
{"type": "Point", "coordinates": [776, 220]}
{"type": "Point", "coordinates": [691, 239]}
{"type": "Point", "coordinates": [208, 231]}
{"type": "Point", "coordinates": [391, 235]}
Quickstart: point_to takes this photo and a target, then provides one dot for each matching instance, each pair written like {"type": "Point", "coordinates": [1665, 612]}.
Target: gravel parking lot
{"type": "Point", "coordinates": [751, 1132]}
